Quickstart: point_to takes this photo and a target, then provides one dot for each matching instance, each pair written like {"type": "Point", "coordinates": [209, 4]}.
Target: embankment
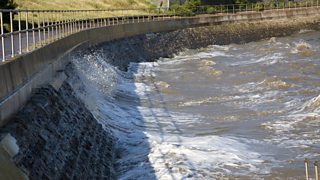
{"type": "Point", "coordinates": [60, 137]}
{"type": "Point", "coordinates": [155, 45]}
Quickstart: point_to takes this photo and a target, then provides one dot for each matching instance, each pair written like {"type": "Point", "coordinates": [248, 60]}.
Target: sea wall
{"type": "Point", "coordinates": [59, 138]}
{"type": "Point", "coordinates": [19, 76]}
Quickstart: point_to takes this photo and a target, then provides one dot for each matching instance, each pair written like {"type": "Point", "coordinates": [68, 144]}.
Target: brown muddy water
{"type": "Point", "coordinates": [249, 110]}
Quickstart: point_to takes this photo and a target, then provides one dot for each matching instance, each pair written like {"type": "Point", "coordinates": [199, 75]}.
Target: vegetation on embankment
{"type": "Point", "coordinates": [82, 4]}
{"type": "Point", "coordinates": [140, 5]}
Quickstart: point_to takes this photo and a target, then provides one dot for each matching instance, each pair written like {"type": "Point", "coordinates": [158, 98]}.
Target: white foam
{"type": "Point", "coordinates": [142, 69]}
{"type": "Point", "coordinates": [201, 157]}
{"type": "Point", "coordinates": [268, 59]}
{"type": "Point", "coordinates": [97, 72]}
{"type": "Point", "coordinates": [301, 46]}
{"type": "Point", "coordinates": [302, 31]}
{"type": "Point", "coordinates": [298, 129]}
{"type": "Point", "coordinates": [312, 105]}
{"type": "Point", "coordinates": [185, 56]}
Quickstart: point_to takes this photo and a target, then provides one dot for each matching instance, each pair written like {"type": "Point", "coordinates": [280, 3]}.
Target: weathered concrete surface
{"type": "Point", "coordinates": [19, 82]}
{"type": "Point", "coordinates": [8, 169]}
{"type": "Point", "coordinates": [19, 73]}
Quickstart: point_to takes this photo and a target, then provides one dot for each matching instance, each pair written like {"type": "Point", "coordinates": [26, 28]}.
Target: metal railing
{"type": "Point", "coordinates": [28, 30]}
{"type": "Point", "coordinates": [23, 31]}
{"type": "Point", "coordinates": [314, 169]}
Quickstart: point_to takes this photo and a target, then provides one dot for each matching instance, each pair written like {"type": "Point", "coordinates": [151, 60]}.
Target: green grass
{"type": "Point", "coordinates": [82, 4]}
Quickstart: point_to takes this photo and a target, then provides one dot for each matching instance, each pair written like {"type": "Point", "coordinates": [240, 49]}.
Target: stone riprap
{"type": "Point", "coordinates": [60, 139]}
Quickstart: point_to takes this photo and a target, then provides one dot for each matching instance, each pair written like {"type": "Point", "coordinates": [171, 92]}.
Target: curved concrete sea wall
{"type": "Point", "coordinates": [20, 76]}
{"type": "Point", "coordinates": [55, 130]}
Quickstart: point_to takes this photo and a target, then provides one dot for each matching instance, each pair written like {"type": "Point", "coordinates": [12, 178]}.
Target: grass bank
{"type": "Point", "coordinates": [82, 4]}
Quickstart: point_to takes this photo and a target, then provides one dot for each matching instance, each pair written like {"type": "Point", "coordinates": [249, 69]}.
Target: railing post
{"type": "Point", "coordinates": [67, 25]}
{"type": "Point", "coordinates": [289, 4]}
{"type": "Point", "coordinates": [122, 17]}
{"type": "Point", "coordinates": [90, 26]}
{"type": "Point", "coordinates": [163, 14]}
{"type": "Point", "coordinates": [27, 32]}
{"type": "Point", "coordinates": [39, 30]}
{"type": "Point", "coordinates": [316, 170]}
{"type": "Point", "coordinates": [33, 33]}
{"type": "Point", "coordinates": [306, 168]}
{"type": "Point", "coordinates": [75, 20]}
{"type": "Point", "coordinates": [52, 26]}
{"type": "Point", "coordinates": [48, 25]}
{"type": "Point", "coordinates": [143, 18]}
{"type": "Point", "coordinates": [232, 8]}
{"type": "Point", "coordinates": [74, 27]}
{"type": "Point", "coordinates": [82, 23]}
{"type": "Point", "coordinates": [59, 24]}
{"type": "Point", "coordinates": [70, 23]}
{"type": "Point", "coordinates": [87, 19]}
{"type": "Point", "coordinates": [19, 35]}
{"type": "Point", "coordinates": [2, 38]}
{"type": "Point", "coordinates": [64, 24]}
{"type": "Point", "coordinates": [12, 39]}
{"type": "Point", "coordinates": [44, 28]}
{"type": "Point", "coordinates": [50, 31]}
{"type": "Point", "coordinates": [56, 24]}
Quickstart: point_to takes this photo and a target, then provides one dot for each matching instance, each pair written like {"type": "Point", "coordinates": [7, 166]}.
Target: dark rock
{"type": "Point", "coordinates": [57, 134]}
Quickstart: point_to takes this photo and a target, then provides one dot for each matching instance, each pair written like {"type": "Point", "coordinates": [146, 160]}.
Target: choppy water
{"type": "Point", "coordinates": [248, 110]}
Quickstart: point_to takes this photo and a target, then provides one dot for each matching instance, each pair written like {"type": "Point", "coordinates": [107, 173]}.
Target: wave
{"type": "Point", "coordinates": [98, 72]}
{"type": "Point", "coordinates": [265, 60]}
{"type": "Point", "coordinates": [158, 135]}
{"type": "Point", "coordinates": [302, 31]}
{"type": "Point", "coordinates": [203, 157]}
{"type": "Point", "coordinates": [303, 48]}
{"type": "Point", "coordinates": [312, 105]}
{"type": "Point", "coordinates": [276, 83]}
{"type": "Point", "coordinates": [207, 63]}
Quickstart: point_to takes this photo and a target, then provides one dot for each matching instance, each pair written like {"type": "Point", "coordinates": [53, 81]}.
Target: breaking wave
{"type": "Point", "coordinates": [210, 113]}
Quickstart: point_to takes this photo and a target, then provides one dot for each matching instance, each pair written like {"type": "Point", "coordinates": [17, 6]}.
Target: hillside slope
{"type": "Point", "coordinates": [82, 4]}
